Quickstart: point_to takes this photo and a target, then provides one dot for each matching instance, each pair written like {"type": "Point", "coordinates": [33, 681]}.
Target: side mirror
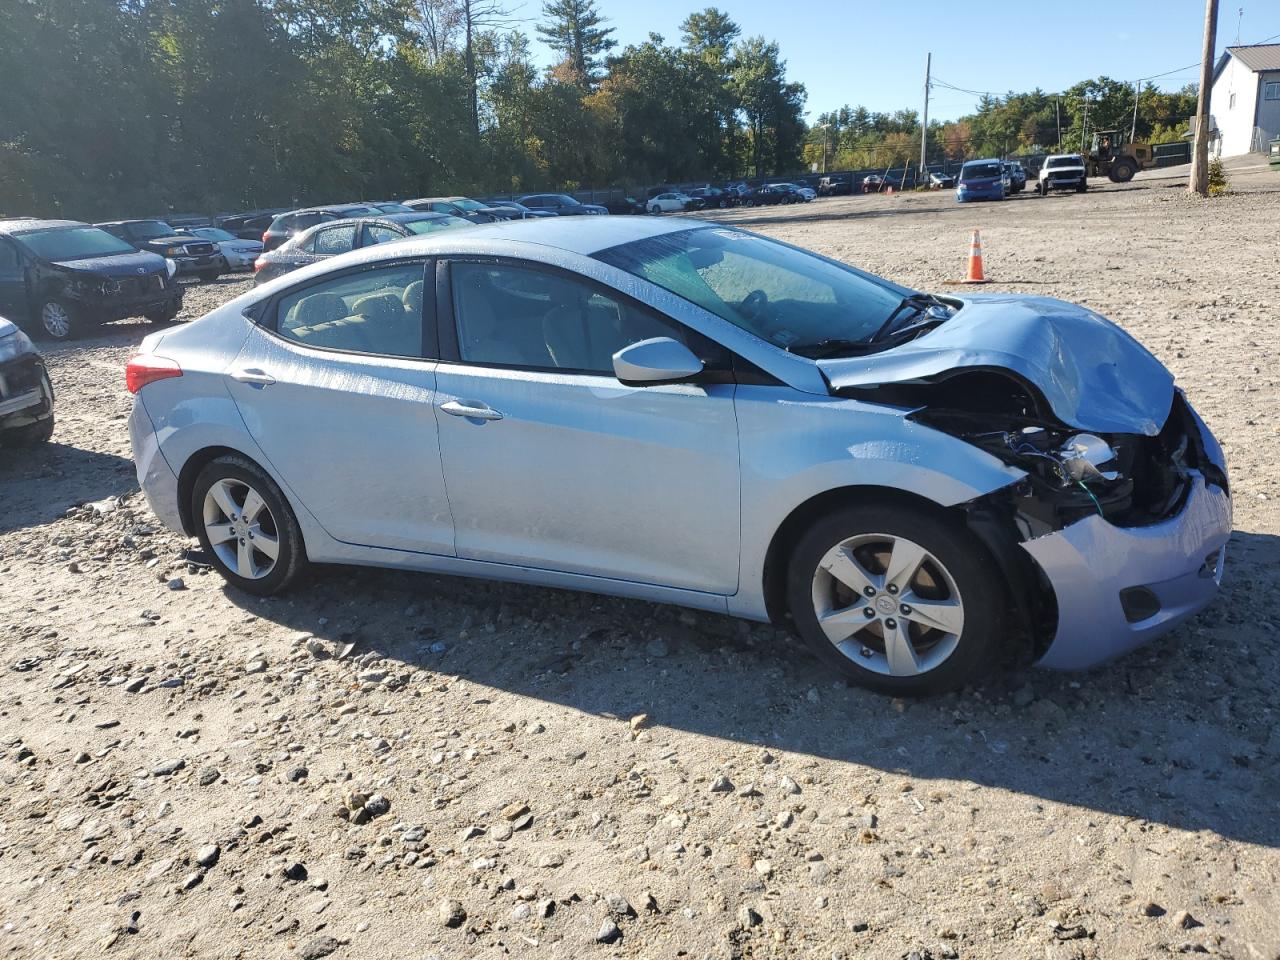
{"type": "Point", "coordinates": [657, 360]}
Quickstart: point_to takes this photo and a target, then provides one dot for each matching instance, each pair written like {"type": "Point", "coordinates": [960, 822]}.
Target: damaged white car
{"type": "Point", "coordinates": [923, 486]}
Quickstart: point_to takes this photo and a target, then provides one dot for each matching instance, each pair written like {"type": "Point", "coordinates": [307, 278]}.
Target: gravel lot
{"type": "Point", "coordinates": [396, 765]}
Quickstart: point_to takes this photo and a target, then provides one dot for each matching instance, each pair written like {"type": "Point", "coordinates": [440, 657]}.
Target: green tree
{"type": "Point", "coordinates": [576, 30]}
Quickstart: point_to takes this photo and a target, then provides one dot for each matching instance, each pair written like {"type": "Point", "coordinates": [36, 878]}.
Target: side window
{"type": "Point", "coordinates": [10, 265]}
{"type": "Point", "coordinates": [539, 320]}
{"type": "Point", "coordinates": [376, 233]}
{"type": "Point", "coordinates": [374, 311]}
{"type": "Point", "coordinates": [336, 239]}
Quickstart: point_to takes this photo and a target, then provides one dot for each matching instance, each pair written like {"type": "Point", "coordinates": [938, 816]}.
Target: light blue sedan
{"type": "Point", "coordinates": [682, 412]}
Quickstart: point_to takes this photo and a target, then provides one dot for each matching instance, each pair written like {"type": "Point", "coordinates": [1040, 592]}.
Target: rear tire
{"type": "Point", "coordinates": [29, 435]}
{"type": "Point", "coordinates": [936, 598]}
{"type": "Point", "coordinates": [246, 526]}
{"type": "Point", "coordinates": [209, 276]}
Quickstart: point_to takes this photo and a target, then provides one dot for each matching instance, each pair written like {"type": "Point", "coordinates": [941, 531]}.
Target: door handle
{"type": "Point", "coordinates": [253, 375]}
{"type": "Point", "coordinates": [471, 409]}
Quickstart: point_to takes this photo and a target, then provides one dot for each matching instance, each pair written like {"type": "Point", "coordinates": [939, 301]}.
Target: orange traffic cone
{"type": "Point", "coordinates": [975, 261]}
{"type": "Point", "coordinates": [889, 190]}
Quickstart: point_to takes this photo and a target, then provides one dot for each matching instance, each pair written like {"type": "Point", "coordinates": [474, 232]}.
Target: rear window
{"type": "Point", "coordinates": [1053, 162]}
{"type": "Point", "coordinates": [976, 171]}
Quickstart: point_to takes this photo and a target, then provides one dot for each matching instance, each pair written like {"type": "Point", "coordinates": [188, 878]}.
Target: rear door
{"type": "Point", "coordinates": [552, 463]}
{"type": "Point", "coordinates": [338, 392]}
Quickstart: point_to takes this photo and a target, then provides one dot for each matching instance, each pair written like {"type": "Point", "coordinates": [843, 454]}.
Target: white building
{"type": "Point", "coordinates": [1244, 101]}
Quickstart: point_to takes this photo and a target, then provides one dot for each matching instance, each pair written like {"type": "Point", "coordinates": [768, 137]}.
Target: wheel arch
{"type": "Point", "coordinates": [1028, 597]}
{"type": "Point", "coordinates": [804, 515]}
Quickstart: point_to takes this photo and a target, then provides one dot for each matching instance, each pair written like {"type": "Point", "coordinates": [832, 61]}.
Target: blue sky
{"type": "Point", "coordinates": [852, 51]}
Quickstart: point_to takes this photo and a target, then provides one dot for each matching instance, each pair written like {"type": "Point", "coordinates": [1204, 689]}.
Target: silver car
{"type": "Point", "coordinates": [922, 486]}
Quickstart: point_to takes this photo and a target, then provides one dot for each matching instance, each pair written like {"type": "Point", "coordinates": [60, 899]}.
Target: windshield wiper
{"type": "Point", "coordinates": [919, 301]}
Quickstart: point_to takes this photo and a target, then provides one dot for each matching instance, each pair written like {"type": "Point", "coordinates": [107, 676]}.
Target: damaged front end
{"type": "Point", "coordinates": [1110, 538]}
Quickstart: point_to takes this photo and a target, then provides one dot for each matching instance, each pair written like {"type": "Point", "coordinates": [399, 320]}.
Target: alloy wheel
{"type": "Point", "coordinates": [56, 320]}
{"type": "Point", "coordinates": [241, 528]}
{"type": "Point", "coordinates": [888, 605]}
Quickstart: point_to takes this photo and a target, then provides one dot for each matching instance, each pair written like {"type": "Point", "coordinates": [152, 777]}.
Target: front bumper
{"type": "Point", "coordinates": [133, 298]}
{"type": "Point", "coordinates": [236, 260]}
{"type": "Point", "coordinates": [190, 266]}
{"type": "Point", "coordinates": [1091, 563]}
{"type": "Point", "coordinates": [26, 395]}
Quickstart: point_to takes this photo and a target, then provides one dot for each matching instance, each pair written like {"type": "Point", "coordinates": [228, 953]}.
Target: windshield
{"type": "Point", "coordinates": [1062, 162]}
{"type": "Point", "coordinates": [213, 233]}
{"type": "Point", "coordinates": [567, 201]}
{"type": "Point", "coordinates": [793, 299]}
{"type": "Point", "coordinates": [977, 171]}
{"type": "Point", "coordinates": [393, 208]}
{"type": "Point", "coordinates": [73, 243]}
{"type": "Point", "coordinates": [466, 204]}
{"type": "Point", "coordinates": [443, 222]}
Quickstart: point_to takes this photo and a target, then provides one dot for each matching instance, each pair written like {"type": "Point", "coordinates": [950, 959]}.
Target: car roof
{"type": "Point", "coordinates": [581, 235]}
{"type": "Point", "coordinates": [123, 223]}
{"type": "Point", "coordinates": [27, 225]}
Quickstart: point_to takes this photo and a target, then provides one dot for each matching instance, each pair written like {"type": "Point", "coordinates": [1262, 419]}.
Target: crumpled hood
{"type": "Point", "coordinates": [1093, 375]}
{"type": "Point", "coordinates": [120, 265]}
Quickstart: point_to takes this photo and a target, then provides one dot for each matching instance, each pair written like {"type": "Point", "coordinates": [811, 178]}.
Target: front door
{"type": "Point", "coordinates": [552, 463]}
{"type": "Point", "coordinates": [14, 304]}
{"type": "Point", "coordinates": [339, 398]}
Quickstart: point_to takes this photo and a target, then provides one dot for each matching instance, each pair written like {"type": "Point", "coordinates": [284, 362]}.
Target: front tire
{"type": "Point", "coordinates": [29, 435]}
{"type": "Point", "coordinates": [901, 600]}
{"type": "Point", "coordinates": [58, 320]}
{"type": "Point", "coordinates": [246, 526]}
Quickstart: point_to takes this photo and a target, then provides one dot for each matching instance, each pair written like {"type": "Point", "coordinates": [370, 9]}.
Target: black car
{"type": "Point", "coordinates": [342, 236]}
{"type": "Point", "coordinates": [561, 204]}
{"type": "Point", "coordinates": [26, 395]}
{"type": "Point", "coordinates": [765, 196]}
{"type": "Point", "coordinates": [518, 211]}
{"type": "Point", "coordinates": [295, 221]}
{"type": "Point", "coordinates": [712, 197]}
{"type": "Point", "coordinates": [58, 277]}
{"type": "Point", "coordinates": [624, 206]}
{"type": "Point", "coordinates": [248, 226]}
{"type": "Point", "coordinates": [195, 257]}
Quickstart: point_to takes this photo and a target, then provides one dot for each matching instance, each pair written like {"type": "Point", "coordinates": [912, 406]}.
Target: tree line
{"type": "Point", "coordinates": [134, 107]}
{"type": "Point", "coordinates": [1017, 123]}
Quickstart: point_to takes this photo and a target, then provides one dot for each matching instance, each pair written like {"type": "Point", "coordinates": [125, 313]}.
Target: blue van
{"type": "Point", "coordinates": [982, 180]}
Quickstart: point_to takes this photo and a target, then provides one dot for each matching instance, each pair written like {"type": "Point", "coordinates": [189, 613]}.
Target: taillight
{"type": "Point", "coordinates": [147, 368]}
{"type": "Point", "coordinates": [259, 264]}
{"type": "Point", "coordinates": [264, 237]}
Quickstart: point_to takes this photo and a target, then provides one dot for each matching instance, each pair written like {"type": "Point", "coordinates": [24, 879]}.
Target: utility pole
{"type": "Point", "coordinates": [1200, 158]}
{"type": "Point", "coordinates": [1057, 112]}
{"type": "Point", "coordinates": [924, 124]}
{"type": "Point", "coordinates": [1137, 90]}
{"type": "Point", "coordinates": [1084, 123]}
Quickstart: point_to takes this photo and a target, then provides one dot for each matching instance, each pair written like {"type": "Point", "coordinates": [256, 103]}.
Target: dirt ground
{"type": "Point", "coordinates": [184, 768]}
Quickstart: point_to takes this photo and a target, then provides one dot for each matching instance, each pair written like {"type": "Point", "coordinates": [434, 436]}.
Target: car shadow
{"type": "Point", "coordinates": [39, 483]}
{"type": "Point", "coordinates": [1174, 734]}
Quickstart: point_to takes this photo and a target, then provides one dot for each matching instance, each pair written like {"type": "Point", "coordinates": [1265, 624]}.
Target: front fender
{"type": "Point", "coordinates": [796, 446]}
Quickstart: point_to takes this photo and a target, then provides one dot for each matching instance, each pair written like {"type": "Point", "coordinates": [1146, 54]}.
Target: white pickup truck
{"type": "Point", "coordinates": [1062, 171]}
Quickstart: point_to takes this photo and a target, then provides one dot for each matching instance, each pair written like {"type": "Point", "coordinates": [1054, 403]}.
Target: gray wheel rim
{"type": "Point", "coordinates": [56, 320]}
{"type": "Point", "coordinates": [888, 605]}
{"type": "Point", "coordinates": [241, 528]}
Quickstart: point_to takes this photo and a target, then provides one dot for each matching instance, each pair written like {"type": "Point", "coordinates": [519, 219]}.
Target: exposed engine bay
{"type": "Point", "coordinates": [1129, 479]}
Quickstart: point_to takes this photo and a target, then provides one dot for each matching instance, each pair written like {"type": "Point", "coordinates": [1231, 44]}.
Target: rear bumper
{"type": "Point", "coordinates": [158, 481]}
{"type": "Point", "coordinates": [1175, 565]}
